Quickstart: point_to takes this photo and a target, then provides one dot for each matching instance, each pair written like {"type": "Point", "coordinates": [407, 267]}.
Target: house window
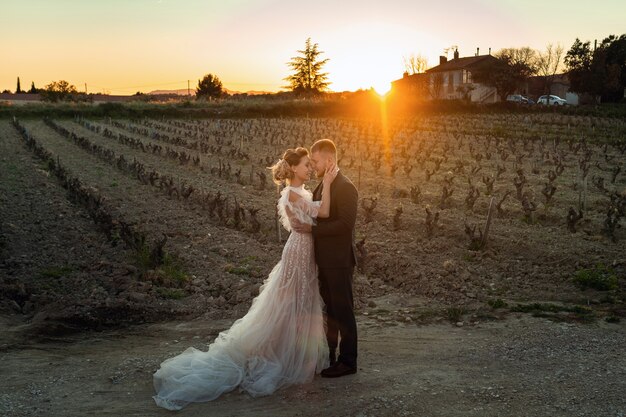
{"type": "Point", "coordinates": [467, 77]}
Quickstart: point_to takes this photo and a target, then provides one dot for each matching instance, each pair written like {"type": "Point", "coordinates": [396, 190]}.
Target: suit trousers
{"type": "Point", "coordinates": [336, 291]}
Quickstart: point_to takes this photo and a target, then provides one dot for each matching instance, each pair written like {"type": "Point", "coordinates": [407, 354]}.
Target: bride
{"type": "Point", "coordinates": [280, 341]}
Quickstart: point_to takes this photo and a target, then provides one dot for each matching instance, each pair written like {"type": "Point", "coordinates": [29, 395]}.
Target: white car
{"type": "Point", "coordinates": [551, 100]}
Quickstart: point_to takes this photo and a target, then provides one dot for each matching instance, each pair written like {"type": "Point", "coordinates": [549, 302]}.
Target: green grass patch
{"type": "Point", "coordinates": [12, 172]}
{"type": "Point", "coordinates": [529, 220]}
{"type": "Point", "coordinates": [168, 272]}
{"type": "Point", "coordinates": [142, 257]}
{"type": "Point", "coordinates": [173, 270]}
{"type": "Point", "coordinates": [483, 315]}
{"type": "Point", "coordinates": [470, 257]}
{"type": "Point", "coordinates": [171, 293]}
{"type": "Point", "coordinates": [455, 314]}
{"type": "Point", "coordinates": [238, 270]}
{"type": "Point", "coordinates": [425, 315]}
{"type": "Point", "coordinates": [245, 269]}
{"type": "Point", "coordinates": [535, 307]}
{"type": "Point", "coordinates": [599, 278]}
{"type": "Point", "coordinates": [115, 237]}
{"type": "Point", "coordinates": [554, 311]}
{"type": "Point", "coordinates": [357, 104]}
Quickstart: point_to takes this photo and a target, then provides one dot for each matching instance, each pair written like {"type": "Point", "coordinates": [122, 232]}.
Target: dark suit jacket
{"type": "Point", "coordinates": [334, 236]}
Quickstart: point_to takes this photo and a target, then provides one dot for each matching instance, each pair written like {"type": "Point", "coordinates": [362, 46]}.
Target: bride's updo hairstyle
{"type": "Point", "coordinates": [281, 170]}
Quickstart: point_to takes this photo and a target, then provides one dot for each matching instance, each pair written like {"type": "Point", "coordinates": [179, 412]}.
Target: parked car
{"type": "Point", "coordinates": [551, 100]}
{"type": "Point", "coordinates": [520, 99]}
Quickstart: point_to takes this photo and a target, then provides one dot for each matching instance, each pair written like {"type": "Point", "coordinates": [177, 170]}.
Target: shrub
{"type": "Point", "coordinates": [455, 314]}
{"type": "Point", "coordinates": [600, 278]}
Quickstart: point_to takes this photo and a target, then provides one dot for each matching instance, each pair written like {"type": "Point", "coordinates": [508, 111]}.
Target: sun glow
{"type": "Point", "coordinates": [370, 55]}
{"type": "Point", "coordinates": [382, 88]}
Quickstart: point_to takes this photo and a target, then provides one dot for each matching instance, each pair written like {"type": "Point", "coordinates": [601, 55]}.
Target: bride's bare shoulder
{"type": "Point", "coordinates": [294, 197]}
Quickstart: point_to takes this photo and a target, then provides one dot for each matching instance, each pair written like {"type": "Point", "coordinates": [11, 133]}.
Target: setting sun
{"type": "Point", "coordinates": [382, 88]}
{"type": "Point", "coordinates": [371, 54]}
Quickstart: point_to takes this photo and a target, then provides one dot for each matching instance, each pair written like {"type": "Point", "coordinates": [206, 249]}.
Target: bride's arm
{"type": "Point", "coordinates": [310, 208]}
{"type": "Point", "coordinates": [324, 210]}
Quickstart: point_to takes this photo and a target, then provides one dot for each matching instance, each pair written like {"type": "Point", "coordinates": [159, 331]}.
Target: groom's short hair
{"type": "Point", "coordinates": [325, 145]}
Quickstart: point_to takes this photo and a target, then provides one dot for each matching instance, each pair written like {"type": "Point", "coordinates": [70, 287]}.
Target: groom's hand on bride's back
{"type": "Point", "coordinates": [300, 227]}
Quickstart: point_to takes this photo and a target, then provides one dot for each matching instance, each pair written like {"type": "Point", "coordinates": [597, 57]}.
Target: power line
{"type": "Point", "coordinates": [180, 83]}
{"type": "Point", "coordinates": [142, 86]}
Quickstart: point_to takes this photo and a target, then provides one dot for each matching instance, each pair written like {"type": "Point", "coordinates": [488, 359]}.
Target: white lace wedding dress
{"type": "Point", "coordinates": [279, 342]}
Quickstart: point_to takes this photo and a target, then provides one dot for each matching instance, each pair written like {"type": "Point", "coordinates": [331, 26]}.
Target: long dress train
{"type": "Point", "coordinates": [279, 342]}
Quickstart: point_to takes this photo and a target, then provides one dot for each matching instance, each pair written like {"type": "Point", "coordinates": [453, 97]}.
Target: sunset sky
{"type": "Point", "coordinates": [125, 46]}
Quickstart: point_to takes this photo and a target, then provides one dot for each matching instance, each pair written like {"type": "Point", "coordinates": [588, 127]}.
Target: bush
{"type": "Point", "coordinates": [600, 278]}
{"type": "Point", "coordinates": [455, 314]}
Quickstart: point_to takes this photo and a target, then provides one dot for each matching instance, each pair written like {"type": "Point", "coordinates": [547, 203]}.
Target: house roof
{"type": "Point", "coordinates": [462, 63]}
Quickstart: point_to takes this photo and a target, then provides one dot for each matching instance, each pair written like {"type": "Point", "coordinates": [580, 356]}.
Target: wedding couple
{"type": "Point", "coordinates": [304, 307]}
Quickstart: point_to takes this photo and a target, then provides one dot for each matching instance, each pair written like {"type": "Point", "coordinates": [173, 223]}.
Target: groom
{"type": "Point", "coordinates": [335, 255]}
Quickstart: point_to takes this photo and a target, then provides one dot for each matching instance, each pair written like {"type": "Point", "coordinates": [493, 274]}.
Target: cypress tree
{"type": "Point", "coordinates": [308, 76]}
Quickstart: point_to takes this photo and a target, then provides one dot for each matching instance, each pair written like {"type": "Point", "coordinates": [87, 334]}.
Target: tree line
{"type": "Point", "coordinates": [307, 79]}
{"type": "Point", "coordinates": [599, 72]}
{"type": "Point", "coordinates": [18, 89]}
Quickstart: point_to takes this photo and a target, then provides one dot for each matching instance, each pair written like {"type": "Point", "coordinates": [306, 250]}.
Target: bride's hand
{"type": "Point", "coordinates": [330, 174]}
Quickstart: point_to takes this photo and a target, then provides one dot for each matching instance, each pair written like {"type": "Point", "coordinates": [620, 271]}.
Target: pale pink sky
{"type": "Point", "coordinates": [122, 46]}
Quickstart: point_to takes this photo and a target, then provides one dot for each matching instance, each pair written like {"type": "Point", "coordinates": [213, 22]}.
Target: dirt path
{"type": "Point", "coordinates": [521, 366]}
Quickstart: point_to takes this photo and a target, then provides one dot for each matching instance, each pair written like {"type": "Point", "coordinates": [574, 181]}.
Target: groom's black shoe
{"type": "Point", "coordinates": [337, 370]}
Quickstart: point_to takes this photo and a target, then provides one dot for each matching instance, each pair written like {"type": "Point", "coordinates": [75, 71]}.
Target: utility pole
{"type": "Point", "coordinates": [188, 90]}
{"type": "Point", "coordinates": [85, 88]}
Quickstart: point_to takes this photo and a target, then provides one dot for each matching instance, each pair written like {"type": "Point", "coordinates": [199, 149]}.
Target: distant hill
{"type": "Point", "coordinates": [183, 92]}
